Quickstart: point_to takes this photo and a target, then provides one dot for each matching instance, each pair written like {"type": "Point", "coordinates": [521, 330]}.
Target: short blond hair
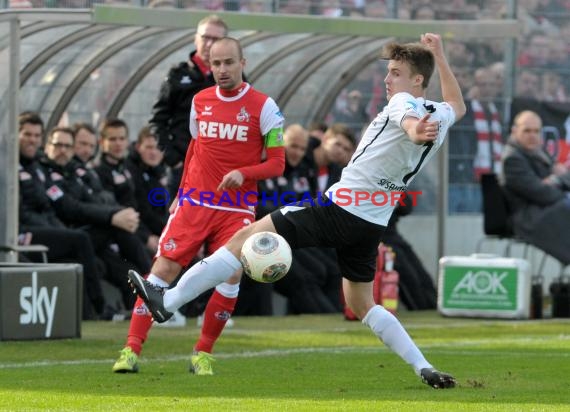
{"type": "Point", "coordinates": [216, 21]}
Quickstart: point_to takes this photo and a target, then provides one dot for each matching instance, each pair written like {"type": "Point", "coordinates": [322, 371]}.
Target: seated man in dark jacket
{"type": "Point", "coordinates": [111, 166]}
{"type": "Point", "coordinates": [114, 171]}
{"type": "Point", "coordinates": [79, 204]}
{"type": "Point", "coordinates": [38, 220]}
{"type": "Point", "coordinates": [150, 181]}
{"type": "Point", "coordinates": [537, 189]}
{"type": "Point", "coordinates": [85, 149]}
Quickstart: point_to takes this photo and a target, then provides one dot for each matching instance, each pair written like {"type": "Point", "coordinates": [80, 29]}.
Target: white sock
{"type": "Point", "coordinates": [390, 331]}
{"type": "Point", "coordinates": [155, 280]}
{"type": "Point", "coordinates": [204, 275]}
{"type": "Point", "coordinates": [228, 290]}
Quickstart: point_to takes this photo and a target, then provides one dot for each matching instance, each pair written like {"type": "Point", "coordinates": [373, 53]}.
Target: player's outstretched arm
{"type": "Point", "coordinates": [450, 89]}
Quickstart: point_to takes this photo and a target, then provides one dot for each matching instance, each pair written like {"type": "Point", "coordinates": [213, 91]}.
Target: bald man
{"type": "Point", "coordinates": [231, 125]}
{"type": "Point", "coordinates": [296, 139]}
{"type": "Point", "coordinates": [537, 189]}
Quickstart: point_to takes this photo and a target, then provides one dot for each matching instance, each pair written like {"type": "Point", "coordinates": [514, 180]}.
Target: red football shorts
{"type": "Point", "coordinates": [189, 227]}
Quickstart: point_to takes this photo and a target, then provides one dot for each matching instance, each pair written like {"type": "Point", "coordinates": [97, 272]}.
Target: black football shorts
{"type": "Point", "coordinates": [323, 223]}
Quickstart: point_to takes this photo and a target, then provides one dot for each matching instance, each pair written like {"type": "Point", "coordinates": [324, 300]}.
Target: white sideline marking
{"type": "Point", "coordinates": [411, 325]}
{"type": "Point", "coordinates": [433, 348]}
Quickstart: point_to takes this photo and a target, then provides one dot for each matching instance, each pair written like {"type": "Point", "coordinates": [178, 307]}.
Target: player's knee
{"type": "Point", "coordinates": [240, 237]}
{"type": "Point", "coordinates": [236, 242]}
{"type": "Point", "coordinates": [166, 269]}
{"type": "Point", "coordinates": [359, 306]}
{"type": "Point", "coordinates": [235, 278]}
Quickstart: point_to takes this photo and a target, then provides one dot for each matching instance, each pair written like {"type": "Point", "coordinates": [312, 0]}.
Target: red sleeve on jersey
{"type": "Point", "coordinates": [189, 154]}
{"type": "Point", "coordinates": [272, 167]}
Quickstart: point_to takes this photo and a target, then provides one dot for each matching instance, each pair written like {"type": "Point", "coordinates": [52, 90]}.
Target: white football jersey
{"type": "Point", "coordinates": [386, 160]}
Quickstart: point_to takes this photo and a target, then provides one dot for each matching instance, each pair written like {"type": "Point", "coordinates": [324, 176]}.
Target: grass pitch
{"type": "Point", "coordinates": [301, 363]}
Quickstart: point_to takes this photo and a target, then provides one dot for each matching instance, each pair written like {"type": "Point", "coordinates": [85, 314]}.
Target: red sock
{"type": "Point", "coordinates": [141, 322]}
{"type": "Point", "coordinates": [218, 310]}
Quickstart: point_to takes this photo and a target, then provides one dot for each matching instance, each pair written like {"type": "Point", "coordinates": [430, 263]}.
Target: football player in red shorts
{"type": "Point", "coordinates": [233, 126]}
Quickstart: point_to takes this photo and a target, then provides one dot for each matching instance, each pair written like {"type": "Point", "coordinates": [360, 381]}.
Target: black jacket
{"type": "Point", "coordinates": [35, 208]}
{"type": "Point", "coordinates": [89, 177]}
{"type": "Point", "coordinates": [171, 111]}
{"type": "Point", "coordinates": [75, 203]}
{"type": "Point", "coordinates": [117, 179]}
{"type": "Point", "coordinates": [153, 213]}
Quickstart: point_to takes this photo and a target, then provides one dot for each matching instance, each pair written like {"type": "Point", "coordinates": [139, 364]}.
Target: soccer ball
{"type": "Point", "coordinates": [266, 257]}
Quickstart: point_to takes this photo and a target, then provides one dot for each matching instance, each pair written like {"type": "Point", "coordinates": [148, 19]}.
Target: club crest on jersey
{"type": "Point", "coordinates": [243, 115]}
{"type": "Point", "coordinates": [170, 245]}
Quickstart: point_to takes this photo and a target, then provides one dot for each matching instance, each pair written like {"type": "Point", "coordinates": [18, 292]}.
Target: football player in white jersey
{"type": "Point", "coordinates": [394, 148]}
